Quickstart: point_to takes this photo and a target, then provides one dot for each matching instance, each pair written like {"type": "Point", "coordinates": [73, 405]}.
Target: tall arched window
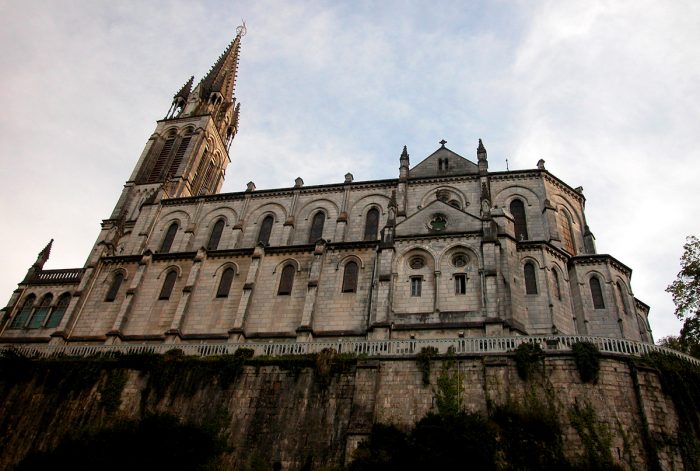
{"type": "Point", "coordinates": [557, 286]}
{"type": "Point", "coordinates": [59, 311]}
{"type": "Point", "coordinates": [199, 174]}
{"type": "Point", "coordinates": [114, 287]}
{"type": "Point", "coordinates": [517, 209]}
{"type": "Point", "coordinates": [372, 224]}
{"type": "Point", "coordinates": [317, 227]}
{"type": "Point", "coordinates": [286, 281]}
{"type": "Point", "coordinates": [177, 159]}
{"type": "Point", "coordinates": [597, 293]}
{"type": "Point", "coordinates": [350, 278]}
{"type": "Point", "coordinates": [23, 314]}
{"type": "Point", "coordinates": [621, 295]}
{"type": "Point", "coordinates": [168, 285]}
{"type": "Point", "coordinates": [225, 283]}
{"type": "Point", "coordinates": [169, 238]}
{"type": "Point", "coordinates": [266, 230]}
{"type": "Point", "coordinates": [41, 312]}
{"type": "Point", "coordinates": [162, 160]}
{"type": "Point", "coordinates": [215, 236]}
{"type": "Point", "coordinates": [567, 231]}
{"type": "Point", "coordinates": [530, 279]}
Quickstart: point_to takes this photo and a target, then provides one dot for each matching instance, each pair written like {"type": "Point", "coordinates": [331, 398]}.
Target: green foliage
{"type": "Point", "coordinates": [686, 287]}
{"type": "Point", "coordinates": [424, 358]}
{"type": "Point", "coordinates": [531, 438]}
{"type": "Point", "coordinates": [528, 357]}
{"type": "Point", "coordinates": [681, 380]}
{"type": "Point", "coordinates": [387, 449]}
{"type": "Point", "coordinates": [448, 393]}
{"type": "Point", "coordinates": [587, 357]}
{"type": "Point", "coordinates": [595, 435]}
{"type": "Point", "coordinates": [156, 442]}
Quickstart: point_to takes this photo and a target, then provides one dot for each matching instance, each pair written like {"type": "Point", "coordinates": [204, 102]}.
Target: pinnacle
{"type": "Point", "coordinates": [184, 92]}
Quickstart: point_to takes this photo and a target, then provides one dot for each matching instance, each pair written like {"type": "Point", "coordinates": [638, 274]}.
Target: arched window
{"type": "Point", "coordinates": [621, 295]}
{"type": "Point", "coordinates": [41, 312]}
{"type": "Point", "coordinates": [557, 286]}
{"type": "Point", "coordinates": [114, 287]}
{"type": "Point", "coordinates": [372, 224]}
{"type": "Point", "coordinates": [215, 236]}
{"type": "Point", "coordinates": [177, 160]}
{"type": "Point", "coordinates": [266, 230]}
{"type": "Point", "coordinates": [517, 209]}
{"type": "Point", "coordinates": [286, 281]}
{"type": "Point", "coordinates": [168, 285]}
{"type": "Point", "coordinates": [317, 227]}
{"type": "Point", "coordinates": [350, 278]}
{"type": "Point", "coordinates": [567, 231]}
{"type": "Point", "coordinates": [161, 161]}
{"type": "Point", "coordinates": [597, 293]}
{"type": "Point", "coordinates": [199, 174]}
{"type": "Point", "coordinates": [59, 311]}
{"type": "Point", "coordinates": [169, 238]}
{"type": "Point", "coordinates": [530, 279]}
{"type": "Point", "coordinates": [23, 314]}
{"type": "Point", "coordinates": [225, 283]}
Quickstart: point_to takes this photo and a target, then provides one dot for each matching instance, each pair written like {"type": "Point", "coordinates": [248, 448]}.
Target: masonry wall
{"type": "Point", "coordinates": [298, 418]}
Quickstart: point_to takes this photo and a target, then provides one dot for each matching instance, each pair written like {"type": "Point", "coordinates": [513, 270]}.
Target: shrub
{"type": "Point", "coordinates": [587, 357]}
{"type": "Point", "coordinates": [527, 357]}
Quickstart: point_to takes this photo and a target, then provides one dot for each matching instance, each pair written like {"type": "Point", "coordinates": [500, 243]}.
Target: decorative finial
{"type": "Point", "coordinates": [404, 153]}
{"type": "Point", "coordinates": [540, 164]}
{"type": "Point", "coordinates": [298, 182]}
{"type": "Point", "coordinates": [241, 30]}
{"type": "Point", "coordinates": [481, 147]}
{"type": "Point", "coordinates": [348, 177]}
{"type": "Point", "coordinates": [443, 142]}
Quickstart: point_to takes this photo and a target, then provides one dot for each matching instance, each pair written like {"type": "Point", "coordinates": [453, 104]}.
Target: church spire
{"type": "Point", "coordinates": [40, 261]}
{"type": "Point", "coordinates": [221, 78]}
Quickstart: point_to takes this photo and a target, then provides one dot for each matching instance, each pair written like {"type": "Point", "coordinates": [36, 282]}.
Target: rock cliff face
{"type": "Point", "coordinates": [312, 414]}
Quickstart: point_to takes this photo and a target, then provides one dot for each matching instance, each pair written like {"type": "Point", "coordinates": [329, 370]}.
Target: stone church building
{"type": "Point", "coordinates": [444, 249]}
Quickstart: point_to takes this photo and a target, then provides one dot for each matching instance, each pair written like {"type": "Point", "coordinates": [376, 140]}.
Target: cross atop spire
{"type": "Point", "coordinates": [442, 143]}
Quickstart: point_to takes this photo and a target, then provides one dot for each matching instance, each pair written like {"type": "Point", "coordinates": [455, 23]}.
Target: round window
{"type": "Point", "coordinates": [460, 260]}
{"type": "Point", "coordinates": [416, 263]}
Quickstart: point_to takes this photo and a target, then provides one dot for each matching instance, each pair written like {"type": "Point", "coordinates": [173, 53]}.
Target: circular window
{"type": "Point", "coordinates": [460, 260]}
{"type": "Point", "coordinates": [416, 262]}
{"type": "Point", "coordinates": [438, 223]}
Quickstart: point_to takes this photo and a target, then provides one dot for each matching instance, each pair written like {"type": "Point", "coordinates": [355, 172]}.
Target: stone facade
{"type": "Point", "coordinates": [446, 249]}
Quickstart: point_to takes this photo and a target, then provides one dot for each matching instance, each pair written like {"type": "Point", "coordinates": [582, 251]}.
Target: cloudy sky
{"type": "Point", "coordinates": [608, 93]}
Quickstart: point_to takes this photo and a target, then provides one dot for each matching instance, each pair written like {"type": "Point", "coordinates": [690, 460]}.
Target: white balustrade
{"type": "Point", "coordinates": [362, 348]}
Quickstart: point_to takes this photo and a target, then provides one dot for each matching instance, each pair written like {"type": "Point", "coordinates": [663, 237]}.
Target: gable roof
{"type": "Point", "coordinates": [443, 162]}
{"type": "Point", "coordinates": [456, 219]}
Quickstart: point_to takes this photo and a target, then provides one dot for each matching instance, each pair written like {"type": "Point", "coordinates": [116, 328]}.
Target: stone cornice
{"type": "Point", "coordinates": [583, 260]}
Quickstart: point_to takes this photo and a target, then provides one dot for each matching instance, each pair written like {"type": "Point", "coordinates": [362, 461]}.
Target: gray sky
{"type": "Point", "coordinates": [608, 93]}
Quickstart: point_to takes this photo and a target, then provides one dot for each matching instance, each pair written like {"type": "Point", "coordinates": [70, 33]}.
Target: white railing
{"type": "Point", "coordinates": [364, 348]}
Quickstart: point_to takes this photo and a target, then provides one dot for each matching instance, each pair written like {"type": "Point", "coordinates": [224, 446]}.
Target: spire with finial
{"type": "Point", "coordinates": [221, 78]}
{"type": "Point", "coordinates": [404, 163]}
{"type": "Point", "coordinates": [481, 157]}
{"type": "Point", "coordinates": [39, 264]}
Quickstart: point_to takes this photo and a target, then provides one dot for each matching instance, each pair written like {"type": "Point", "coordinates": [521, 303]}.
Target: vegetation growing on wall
{"type": "Point", "coordinates": [424, 358]}
{"type": "Point", "coordinates": [681, 381]}
{"type": "Point", "coordinates": [529, 357]}
{"type": "Point", "coordinates": [587, 357]}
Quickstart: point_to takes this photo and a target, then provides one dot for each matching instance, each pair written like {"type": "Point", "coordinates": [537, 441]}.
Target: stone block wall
{"type": "Point", "coordinates": [305, 417]}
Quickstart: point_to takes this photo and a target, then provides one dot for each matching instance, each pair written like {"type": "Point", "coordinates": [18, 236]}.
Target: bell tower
{"type": "Point", "coordinates": [188, 153]}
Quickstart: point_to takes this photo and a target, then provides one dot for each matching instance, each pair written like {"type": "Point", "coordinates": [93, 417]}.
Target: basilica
{"type": "Point", "coordinates": [444, 249]}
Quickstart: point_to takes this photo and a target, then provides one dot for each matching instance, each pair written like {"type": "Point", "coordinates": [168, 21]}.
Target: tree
{"type": "Point", "coordinates": [686, 296]}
